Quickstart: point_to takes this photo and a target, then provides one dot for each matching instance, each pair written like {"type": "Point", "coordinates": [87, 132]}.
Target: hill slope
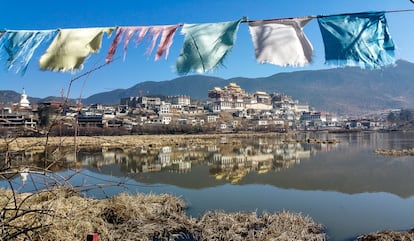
{"type": "Point", "coordinates": [339, 90]}
{"type": "Point", "coordinates": [8, 97]}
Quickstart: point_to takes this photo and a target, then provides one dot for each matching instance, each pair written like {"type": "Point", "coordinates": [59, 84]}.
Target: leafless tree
{"type": "Point", "coordinates": [19, 218]}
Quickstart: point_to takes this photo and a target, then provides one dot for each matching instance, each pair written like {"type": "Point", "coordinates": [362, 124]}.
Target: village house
{"type": "Point", "coordinates": [227, 109]}
{"type": "Point", "coordinates": [19, 115]}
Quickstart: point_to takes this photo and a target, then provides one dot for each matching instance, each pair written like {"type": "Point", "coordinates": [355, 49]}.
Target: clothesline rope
{"type": "Point", "coordinates": [329, 15]}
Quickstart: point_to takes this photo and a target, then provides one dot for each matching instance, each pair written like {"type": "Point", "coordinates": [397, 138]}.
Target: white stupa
{"type": "Point", "coordinates": [24, 102]}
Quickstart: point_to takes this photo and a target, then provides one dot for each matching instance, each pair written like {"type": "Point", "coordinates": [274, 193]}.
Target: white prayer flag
{"type": "Point", "coordinates": [281, 42]}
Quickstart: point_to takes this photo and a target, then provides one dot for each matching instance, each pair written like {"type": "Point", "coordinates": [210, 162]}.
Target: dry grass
{"type": "Point", "coordinates": [249, 226]}
{"type": "Point", "coordinates": [388, 236]}
{"type": "Point", "coordinates": [62, 214]}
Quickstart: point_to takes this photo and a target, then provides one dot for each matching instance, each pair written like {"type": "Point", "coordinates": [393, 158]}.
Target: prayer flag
{"type": "Point", "coordinates": [20, 46]}
{"type": "Point", "coordinates": [70, 48]}
{"type": "Point", "coordinates": [167, 34]}
{"type": "Point", "coordinates": [359, 39]}
{"type": "Point", "coordinates": [281, 42]}
{"type": "Point", "coordinates": [205, 46]}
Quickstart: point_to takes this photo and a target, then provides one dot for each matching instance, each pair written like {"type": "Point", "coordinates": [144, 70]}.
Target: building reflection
{"type": "Point", "coordinates": [260, 158]}
{"type": "Point", "coordinates": [226, 161]}
{"type": "Point", "coordinates": [349, 165]}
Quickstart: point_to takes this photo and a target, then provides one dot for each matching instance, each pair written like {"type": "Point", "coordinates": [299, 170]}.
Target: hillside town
{"type": "Point", "coordinates": [227, 109]}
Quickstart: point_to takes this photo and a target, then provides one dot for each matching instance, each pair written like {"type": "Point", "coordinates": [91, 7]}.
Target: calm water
{"type": "Point", "coordinates": [345, 186]}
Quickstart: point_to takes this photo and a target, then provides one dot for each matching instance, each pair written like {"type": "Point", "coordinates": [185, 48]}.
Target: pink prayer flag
{"type": "Point", "coordinates": [167, 34]}
{"type": "Point", "coordinates": [114, 45]}
{"type": "Point", "coordinates": [130, 32]}
{"type": "Point", "coordinates": [155, 32]}
{"type": "Point", "coordinates": [166, 41]}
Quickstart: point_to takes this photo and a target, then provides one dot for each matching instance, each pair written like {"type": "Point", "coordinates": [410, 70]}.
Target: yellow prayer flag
{"type": "Point", "coordinates": [71, 46]}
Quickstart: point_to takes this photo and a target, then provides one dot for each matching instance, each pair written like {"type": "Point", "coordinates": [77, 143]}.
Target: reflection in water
{"type": "Point", "coordinates": [349, 165]}
{"type": "Point", "coordinates": [230, 162]}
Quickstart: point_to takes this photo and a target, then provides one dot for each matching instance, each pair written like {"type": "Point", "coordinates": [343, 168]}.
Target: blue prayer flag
{"type": "Point", "coordinates": [20, 45]}
{"type": "Point", "coordinates": [360, 39]}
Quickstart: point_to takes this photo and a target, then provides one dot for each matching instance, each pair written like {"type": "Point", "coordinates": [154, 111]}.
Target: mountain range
{"type": "Point", "coordinates": [349, 90]}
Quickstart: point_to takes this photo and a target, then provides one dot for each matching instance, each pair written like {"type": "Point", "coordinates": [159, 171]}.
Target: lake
{"type": "Point", "coordinates": [343, 185]}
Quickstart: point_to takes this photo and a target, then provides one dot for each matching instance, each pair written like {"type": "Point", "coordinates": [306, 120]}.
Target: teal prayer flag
{"type": "Point", "coordinates": [360, 39]}
{"type": "Point", "coordinates": [205, 46]}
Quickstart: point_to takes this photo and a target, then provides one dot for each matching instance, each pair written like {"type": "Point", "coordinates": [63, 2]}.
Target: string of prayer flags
{"type": "Point", "coordinates": [357, 40]}
{"type": "Point", "coordinates": [167, 34]}
{"type": "Point", "coordinates": [352, 39]}
{"type": "Point", "coordinates": [281, 42]}
{"type": "Point", "coordinates": [70, 48]}
{"type": "Point", "coordinates": [19, 46]}
{"type": "Point", "coordinates": [205, 46]}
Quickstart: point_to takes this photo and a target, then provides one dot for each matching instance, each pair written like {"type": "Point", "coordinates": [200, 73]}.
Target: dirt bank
{"type": "Point", "coordinates": [395, 152]}
{"type": "Point", "coordinates": [130, 141]}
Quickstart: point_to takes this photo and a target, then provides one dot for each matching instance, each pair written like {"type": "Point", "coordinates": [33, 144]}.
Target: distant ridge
{"type": "Point", "coordinates": [9, 97]}
{"type": "Point", "coordinates": [195, 86]}
{"type": "Point", "coordinates": [339, 90]}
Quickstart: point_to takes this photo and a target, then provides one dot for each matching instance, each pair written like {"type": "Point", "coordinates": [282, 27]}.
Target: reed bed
{"type": "Point", "coordinates": [63, 214]}
{"type": "Point", "coordinates": [388, 235]}
{"type": "Point", "coordinates": [249, 226]}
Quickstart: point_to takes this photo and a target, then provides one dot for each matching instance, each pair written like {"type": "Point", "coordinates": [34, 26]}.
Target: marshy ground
{"type": "Point", "coordinates": [63, 214]}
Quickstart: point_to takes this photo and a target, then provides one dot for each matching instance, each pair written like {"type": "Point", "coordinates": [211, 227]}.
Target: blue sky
{"type": "Point", "coordinates": [138, 67]}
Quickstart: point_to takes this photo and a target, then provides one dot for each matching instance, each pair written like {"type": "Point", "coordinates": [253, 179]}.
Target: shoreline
{"type": "Point", "coordinates": [131, 142]}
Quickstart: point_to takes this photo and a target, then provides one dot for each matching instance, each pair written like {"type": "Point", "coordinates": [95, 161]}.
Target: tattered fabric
{"type": "Point", "coordinates": [281, 42]}
{"type": "Point", "coordinates": [205, 46]}
{"type": "Point", "coordinates": [167, 35]}
{"type": "Point", "coordinates": [130, 31]}
{"type": "Point", "coordinates": [166, 40]}
{"type": "Point", "coordinates": [357, 40]}
{"type": "Point", "coordinates": [19, 46]}
{"type": "Point", "coordinates": [70, 48]}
